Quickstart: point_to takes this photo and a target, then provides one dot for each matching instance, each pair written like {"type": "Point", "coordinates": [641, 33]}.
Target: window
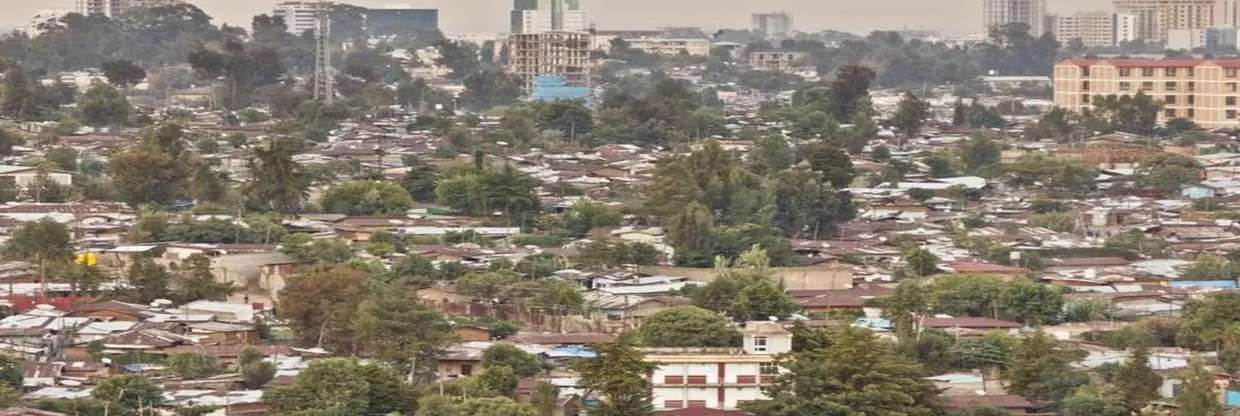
{"type": "Point", "coordinates": [1125, 72]}
{"type": "Point", "coordinates": [1192, 72]}
{"type": "Point", "coordinates": [746, 379]}
{"type": "Point", "coordinates": [1125, 86]}
{"type": "Point", "coordinates": [1170, 72]}
{"type": "Point", "coordinates": [1170, 86]}
{"type": "Point", "coordinates": [1147, 85]}
{"type": "Point", "coordinates": [1230, 100]}
{"type": "Point", "coordinates": [1170, 99]}
{"type": "Point", "coordinates": [697, 403]}
{"type": "Point", "coordinates": [673, 379]}
{"type": "Point", "coordinates": [1085, 99]}
{"type": "Point", "coordinates": [1231, 87]}
{"type": "Point", "coordinates": [1170, 113]}
{"type": "Point", "coordinates": [759, 344]}
{"type": "Point", "coordinates": [1147, 72]}
{"type": "Point", "coordinates": [1192, 112]}
{"type": "Point", "coordinates": [467, 369]}
{"type": "Point", "coordinates": [673, 404]}
{"type": "Point", "coordinates": [768, 369]}
{"type": "Point", "coordinates": [1231, 114]}
{"type": "Point", "coordinates": [1192, 86]}
{"type": "Point", "coordinates": [697, 379]}
{"type": "Point", "coordinates": [1084, 85]}
{"type": "Point", "coordinates": [1192, 99]}
{"type": "Point", "coordinates": [1231, 72]}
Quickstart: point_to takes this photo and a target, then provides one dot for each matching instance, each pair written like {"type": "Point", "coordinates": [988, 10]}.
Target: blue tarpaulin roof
{"type": "Point", "coordinates": [1213, 284]}
{"type": "Point", "coordinates": [571, 351]}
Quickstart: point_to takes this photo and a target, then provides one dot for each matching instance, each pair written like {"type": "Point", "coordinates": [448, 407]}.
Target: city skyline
{"type": "Point", "coordinates": [953, 17]}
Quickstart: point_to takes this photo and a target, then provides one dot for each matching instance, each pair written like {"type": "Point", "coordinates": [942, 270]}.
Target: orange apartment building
{"type": "Point", "coordinates": [1206, 91]}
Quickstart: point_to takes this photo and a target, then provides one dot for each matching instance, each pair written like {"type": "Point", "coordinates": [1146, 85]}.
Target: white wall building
{"type": "Point", "coordinates": [778, 24]}
{"type": "Point", "coordinates": [718, 378]}
{"type": "Point", "coordinates": [1002, 12]}
{"type": "Point", "coordinates": [1094, 29]}
{"type": "Point", "coordinates": [537, 16]}
{"type": "Point", "coordinates": [299, 16]}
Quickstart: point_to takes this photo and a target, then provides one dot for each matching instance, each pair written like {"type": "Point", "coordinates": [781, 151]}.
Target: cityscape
{"type": "Point", "coordinates": [335, 208]}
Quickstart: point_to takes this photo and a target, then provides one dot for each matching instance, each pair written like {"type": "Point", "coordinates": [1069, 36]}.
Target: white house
{"type": "Point", "coordinates": [23, 176]}
{"type": "Point", "coordinates": [718, 378]}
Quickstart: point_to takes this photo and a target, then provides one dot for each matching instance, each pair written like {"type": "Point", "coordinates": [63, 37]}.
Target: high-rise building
{"type": "Point", "coordinates": [778, 24]}
{"type": "Point", "coordinates": [534, 16]}
{"type": "Point", "coordinates": [562, 54]}
{"type": "Point", "coordinates": [1002, 12]}
{"type": "Point", "coordinates": [115, 8]}
{"type": "Point", "coordinates": [299, 16]}
{"type": "Point", "coordinates": [1094, 29]}
{"type": "Point", "coordinates": [1229, 14]}
{"type": "Point", "coordinates": [1155, 18]}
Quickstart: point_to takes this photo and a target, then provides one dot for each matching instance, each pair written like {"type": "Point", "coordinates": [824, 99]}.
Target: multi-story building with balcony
{"type": "Point", "coordinates": [1206, 91]}
{"type": "Point", "coordinates": [1156, 18]}
{"type": "Point", "coordinates": [718, 378]}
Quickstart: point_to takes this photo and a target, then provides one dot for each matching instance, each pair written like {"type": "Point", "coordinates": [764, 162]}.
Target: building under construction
{"type": "Point", "coordinates": [563, 54]}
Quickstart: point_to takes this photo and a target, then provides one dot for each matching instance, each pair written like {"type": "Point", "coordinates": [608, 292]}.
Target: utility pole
{"type": "Point", "coordinates": [324, 84]}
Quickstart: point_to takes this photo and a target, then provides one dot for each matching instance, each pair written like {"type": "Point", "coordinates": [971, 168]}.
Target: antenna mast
{"type": "Point", "coordinates": [324, 82]}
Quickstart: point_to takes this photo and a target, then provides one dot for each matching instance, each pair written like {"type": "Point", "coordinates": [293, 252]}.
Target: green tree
{"type": "Point", "coordinates": [687, 326]}
{"type": "Point", "coordinates": [193, 366]}
{"type": "Point", "coordinates": [618, 374]}
{"type": "Point", "coordinates": [320, 305]}
{"type": "Point", "coordinates": [855, 373]}
{"type": "Point", "coordinates": [805, 205]}
{"type": "Point", "coordinates": [367, 198]}
{"type": "Point", "coordinates": [1032, 303]}
{"type": "Point", "coordinates": [143, 175]}
{"type": "Point", "coordinates": [1197, 395]}
{"type": "Point", "coordinates": [1134, 382]}
{"type": "Point", "coordinates": [130, 392]}
{"type": "Point", "coordinates": [194, 280]}
{"type": "Point", "coordinates": [255, 371]}
{"type": "Point", "coordinates": [850, 87]}
{"type": "Point", "coordinates": [921, 262]}
{"type": "Point", "coordinates": [406, 334]}
{"type": "Point", "coordinates": [1038, 368]}
{"type": "Point", "coordinates": [280, 183]}
{"type": "Point", "coordinates": [103, 105]}
{"type": "Point", "coordinates": [146, 281]}
{"type": "Point", "coordinates": [420, 180]}
{"type": "Point", "coordinates": [522, 363]}
{"type": "Point", "coordinates": [43, 242]}
{"type": "Point", "coordinates": [979, 152]}
{"type": "Point", "coordinates": [123, 74]}
{"type": "Point", "coordinates": [1168, 172]}
{"type": "Point", "coordinates": [11, 373]}
{"type": "Point", "coordinates": [341, 386]}
{"type": "Point", "coordinates": [910, 115]}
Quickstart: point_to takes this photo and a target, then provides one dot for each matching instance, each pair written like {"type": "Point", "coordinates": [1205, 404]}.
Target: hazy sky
{"type": "Point", "coordinates": [950, 16]}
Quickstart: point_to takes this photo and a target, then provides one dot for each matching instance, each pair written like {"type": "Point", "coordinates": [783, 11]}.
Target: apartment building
{"type": "Point", "coordinates": [1206, 91]}
{"type": "Point", "coordinates": [565, 54]}
{"type": "Point", "coordinates": [534, 16]}
{"type": "Point", "coordinates": [1155, 18]}
{"type": "Point", "coordinates": [718, 378]}
{"type": "Point", "coordinates": [1002, 12]}
{"type": "Point", "coordinates": [116, 8]}
{"type": "Point", "coordinates": [775, 60]}
{"type": "Point", "coordinates": [671, 47]}
{"type": "Point", "coordinates": [777, 24]}
{"type": "Point", "coordinates": [1094, 29]}
{"type": "Point", "coordinates": [299, 16]}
